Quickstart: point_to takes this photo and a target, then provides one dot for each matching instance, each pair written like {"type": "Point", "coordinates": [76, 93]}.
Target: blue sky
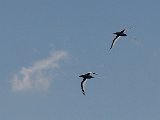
{"type": "Point", "coordinates": [47, 44]}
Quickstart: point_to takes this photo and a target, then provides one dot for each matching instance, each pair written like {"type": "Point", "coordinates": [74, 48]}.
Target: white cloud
{"type": "Point", "coordinates": [39, 75]}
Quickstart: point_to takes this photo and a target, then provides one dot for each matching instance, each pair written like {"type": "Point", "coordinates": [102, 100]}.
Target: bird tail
{"type": "Point", "coordinates": [83, 92]}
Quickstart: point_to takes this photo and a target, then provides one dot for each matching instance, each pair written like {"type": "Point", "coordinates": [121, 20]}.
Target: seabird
{"type": "Point", "coordinates": [118, 35]}
{"type": "Point", "coordinates": [85, 77]}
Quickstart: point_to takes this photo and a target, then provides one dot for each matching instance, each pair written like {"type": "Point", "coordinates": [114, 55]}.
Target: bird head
{"type": "Point", "coordinates": [94, 73]}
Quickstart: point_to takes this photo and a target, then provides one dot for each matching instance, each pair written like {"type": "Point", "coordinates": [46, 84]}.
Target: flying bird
{"type": "Point", "coordinates": [85, 77]}
{"type": "Point", "coordinates": [118, 35]}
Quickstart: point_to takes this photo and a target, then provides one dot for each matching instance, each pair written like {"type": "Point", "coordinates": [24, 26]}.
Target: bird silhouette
{"type": "Point", "coordinates": [118, 35]}
{"type": "Point", "coordinates": [86, 76]}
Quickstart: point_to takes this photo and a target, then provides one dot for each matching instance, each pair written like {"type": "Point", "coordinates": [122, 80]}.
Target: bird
{"type": "Point", "coordinates": [118, 35]}
{"type": "Point", "coordinates": [86, 76]}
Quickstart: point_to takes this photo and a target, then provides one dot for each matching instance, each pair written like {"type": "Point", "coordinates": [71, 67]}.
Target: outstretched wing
{"type": "Point", "coordinates": [82, 85]}
{"type": "Point", "coordinates": [122, 31]}
{"type": "Point", "coordinates": [89, 73]}
{"type": "Point", "coordinates": [114, 41]}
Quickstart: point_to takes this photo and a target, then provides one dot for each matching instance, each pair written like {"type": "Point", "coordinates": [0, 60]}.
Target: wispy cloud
{"type": "Point", "coordinates": [38, 75]}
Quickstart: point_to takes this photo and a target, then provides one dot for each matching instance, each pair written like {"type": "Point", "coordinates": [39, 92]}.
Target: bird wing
{"type": "Point", "coordinates": [114, 41]}
{"type": "Point", "coordinates": [123, 31]}
{"type": "Point", "coordinates": [88, 73]}
{"type": "Point", "coordinates": [82, 85]}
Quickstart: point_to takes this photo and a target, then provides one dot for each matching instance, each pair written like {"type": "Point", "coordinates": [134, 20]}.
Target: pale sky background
{"type": "Point", "coordinates": [47, 44]}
